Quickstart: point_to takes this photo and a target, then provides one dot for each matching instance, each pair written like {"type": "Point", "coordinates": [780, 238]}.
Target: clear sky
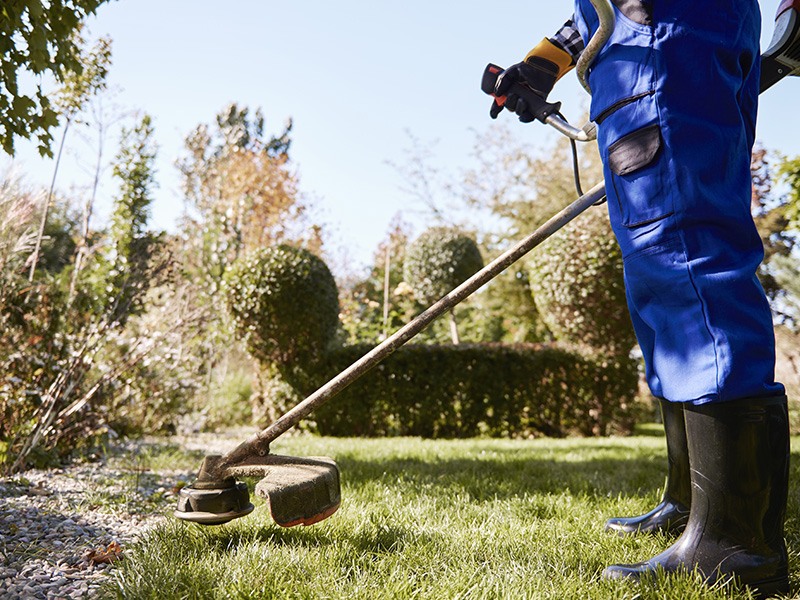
{"type": "Point", "coordinates": [355, 76]}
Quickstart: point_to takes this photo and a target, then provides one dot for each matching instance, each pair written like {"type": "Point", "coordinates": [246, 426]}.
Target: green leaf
{"type": "Point", "coordinates": [35, 8]}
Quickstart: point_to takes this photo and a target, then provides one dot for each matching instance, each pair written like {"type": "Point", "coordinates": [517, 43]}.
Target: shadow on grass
{"type": "Point", "coordinates": [509, 475]}
{"type": "Point", "coordinates": [504, 474]}
{"type": "Point", "coordinates": [377, 536]}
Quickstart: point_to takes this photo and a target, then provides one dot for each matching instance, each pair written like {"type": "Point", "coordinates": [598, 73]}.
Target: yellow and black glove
{"type": "Point", "coordinates": [542, 67]}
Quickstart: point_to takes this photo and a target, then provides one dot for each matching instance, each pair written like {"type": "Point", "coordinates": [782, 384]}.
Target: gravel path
{"type": "Point", "coordinates": [62, 529]}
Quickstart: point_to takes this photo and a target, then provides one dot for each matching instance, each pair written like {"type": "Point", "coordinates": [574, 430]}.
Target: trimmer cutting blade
{"type": "Point", "coordinates": [303, 492]}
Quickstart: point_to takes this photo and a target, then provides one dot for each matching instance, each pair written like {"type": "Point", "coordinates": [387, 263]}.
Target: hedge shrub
{"type": "Point", "coordinates": [476, 389]}
{"type": "Point", "coordinates": [578, 286]}
{"type": "Point", "coordinates": [440, 260]}
{"type": "Point", "coordinates": [284, 302]}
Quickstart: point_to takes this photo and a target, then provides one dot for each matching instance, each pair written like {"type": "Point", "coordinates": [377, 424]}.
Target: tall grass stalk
{"type": "Point", "coordinates": [438, 519]}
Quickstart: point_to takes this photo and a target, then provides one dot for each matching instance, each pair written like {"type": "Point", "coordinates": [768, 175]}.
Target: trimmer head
{"type": "Point", "coordinates": [214, 502]}
{"type": "Point", "coordinates": [298, 491]}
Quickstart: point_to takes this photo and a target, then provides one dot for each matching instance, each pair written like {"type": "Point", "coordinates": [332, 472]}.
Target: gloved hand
{"type": "Point", "coordinates": [542, 67]}
{"type": "Point", "coordinates": [538, 74]}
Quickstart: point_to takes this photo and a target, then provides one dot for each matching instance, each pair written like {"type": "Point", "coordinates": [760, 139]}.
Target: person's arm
{"type": "Point", "coordinates": [540, 69]}
{"type": "Point", "coordinates": [569, 39]}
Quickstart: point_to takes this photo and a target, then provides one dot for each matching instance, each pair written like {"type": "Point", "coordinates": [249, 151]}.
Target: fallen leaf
{"type": "Point", "coordinates": [106, 556]}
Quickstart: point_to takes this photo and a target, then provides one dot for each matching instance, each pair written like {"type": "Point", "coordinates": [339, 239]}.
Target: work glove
{"type": "Point", "coordinates": [542, 67]}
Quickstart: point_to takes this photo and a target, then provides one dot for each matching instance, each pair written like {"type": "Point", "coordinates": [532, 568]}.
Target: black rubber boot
{"type": "Point", "coordinates": [739, 457]}
{"type": "Point", "coordinates": [672, 512]}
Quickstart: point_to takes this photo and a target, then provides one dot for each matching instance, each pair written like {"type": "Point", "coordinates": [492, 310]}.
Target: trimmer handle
{"type": "Point", "coordinates": [546, 112]}
{"type": "Point", "coordinates": [538, 106]}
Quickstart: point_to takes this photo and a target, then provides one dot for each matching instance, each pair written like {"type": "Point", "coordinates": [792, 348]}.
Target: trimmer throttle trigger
{"type": "Point", "coordinates": [490, 75]}
{"type": "Point", "coordinates": [538, 106]}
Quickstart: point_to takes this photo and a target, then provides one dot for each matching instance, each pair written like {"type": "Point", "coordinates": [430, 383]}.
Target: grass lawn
{"type": "Point", "coordinates": [478, 518]}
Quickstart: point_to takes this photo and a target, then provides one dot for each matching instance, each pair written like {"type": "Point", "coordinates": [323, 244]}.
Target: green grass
{"type": "Point", "coordinates": [438, 519]}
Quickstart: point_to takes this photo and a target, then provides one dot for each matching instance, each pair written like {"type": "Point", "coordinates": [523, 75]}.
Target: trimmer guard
{"type": "Point", "coordinates": [303, 492]}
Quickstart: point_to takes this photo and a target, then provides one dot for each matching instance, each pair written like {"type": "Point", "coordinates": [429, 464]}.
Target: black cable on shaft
{"type": "Point", "coordinates": [575, 167]}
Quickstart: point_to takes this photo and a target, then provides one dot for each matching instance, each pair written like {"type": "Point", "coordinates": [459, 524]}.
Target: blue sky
{"type": "Point", "coordinates": [356, 77]}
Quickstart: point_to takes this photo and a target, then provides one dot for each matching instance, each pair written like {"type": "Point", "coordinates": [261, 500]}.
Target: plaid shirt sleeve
{"type": "Point", "coordinates": [569, 39]}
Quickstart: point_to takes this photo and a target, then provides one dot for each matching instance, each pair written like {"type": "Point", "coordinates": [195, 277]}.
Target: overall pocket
{"type": "Point", "coordinates": [637, 178]}
{"type": "Point", "coordinates": [636, 168]}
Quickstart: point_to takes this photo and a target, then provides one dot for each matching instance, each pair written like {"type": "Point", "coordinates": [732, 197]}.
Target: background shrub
{"type": "Point", "coordinates": [285, 303]}
{"type": "Point", "coordinates": [440, 259]}
{"type": "Point", "coordinates": [577, 283]}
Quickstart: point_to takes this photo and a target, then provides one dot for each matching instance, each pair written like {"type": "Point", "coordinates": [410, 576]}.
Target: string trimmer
{"type": "Point", "coordinates": [307, 490]}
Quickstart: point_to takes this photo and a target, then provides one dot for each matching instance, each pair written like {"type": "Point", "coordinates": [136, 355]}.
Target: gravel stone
{"type": "Point", "coordinates": [51, 521]}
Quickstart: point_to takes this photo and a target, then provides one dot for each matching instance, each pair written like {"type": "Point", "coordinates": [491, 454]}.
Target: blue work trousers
{"type": "Point", "coordinates": [674, 95]}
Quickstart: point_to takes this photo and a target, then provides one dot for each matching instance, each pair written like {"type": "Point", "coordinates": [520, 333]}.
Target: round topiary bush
{"type": "Point", "coordinates": [577, 282]}
{"type": "Point", "coordinates": [285, 302]}
{"type": "Point", "coordinates": [440, 260]}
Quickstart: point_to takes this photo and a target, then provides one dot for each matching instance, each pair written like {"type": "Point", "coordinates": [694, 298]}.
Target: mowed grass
{"type": "Point", "coordinates": [477, 518]}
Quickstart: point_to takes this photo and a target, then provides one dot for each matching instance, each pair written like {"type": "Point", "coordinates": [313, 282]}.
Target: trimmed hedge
{"type": "Point", "coordinates": [284, 302]}
{"type": "Point", "coordinates": [475, 389]}
{"type": "Point", "coordinates": [578, 285]}
{"type": "Point", "coordinates": [439, 261]}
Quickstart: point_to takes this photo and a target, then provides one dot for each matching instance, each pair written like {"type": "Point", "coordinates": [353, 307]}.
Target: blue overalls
{"type": "Point", "coordinates": [675, 93]}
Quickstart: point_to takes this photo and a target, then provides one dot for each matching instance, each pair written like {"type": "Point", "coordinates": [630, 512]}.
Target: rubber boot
{"type": "Point", "coordinates": [672, 513]}
{"type": "Point", "coordinates": [739, 457]}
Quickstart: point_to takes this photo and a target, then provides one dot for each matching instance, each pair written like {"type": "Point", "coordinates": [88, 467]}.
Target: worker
{"type": "Point", "coordinates": [674, 98]}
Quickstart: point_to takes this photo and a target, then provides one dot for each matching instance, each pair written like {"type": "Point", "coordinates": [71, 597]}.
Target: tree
{"type": "Point", "coordinates": [427, 186]}
{"type": "Point", "coordinates": [789, 173]}
{"type": "Point", "coordinates": [523, 186]}
{"type": "Point", "coordinates": [771, 215]}
{"type": "Point", "coordinates": [439, 261]}
{"type": "Point", "coordinates": [129, 247]}
{"type": "Point", "coordinates": [378, 303]}
{"type": "Point", "coordinates": [516, 188]}
{"type": "Point", "coordinates": [577, 282]}
{"type": "Point", "coordinates": [241, 193]}
{"type": "Point", "coordinates": [70, 355]}
{"type": "Point", "coordinates": [40, 37]}
{"type": "Point", "coordinates": [786, 273]}
{"type": "Point", "coordinates": [77, 92]}
{"type": "Point", "coordinates": [78, 87]}
{"type": "Point", "coordinates": [285, 306]}
{"type": "Point", "coordinates": [777, 216]}
{"type": "Point", "coordinates": [285, 303]}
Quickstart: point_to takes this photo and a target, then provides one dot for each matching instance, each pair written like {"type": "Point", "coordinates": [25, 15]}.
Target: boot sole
{"type": "Point", "coordinates": [766, 588]}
